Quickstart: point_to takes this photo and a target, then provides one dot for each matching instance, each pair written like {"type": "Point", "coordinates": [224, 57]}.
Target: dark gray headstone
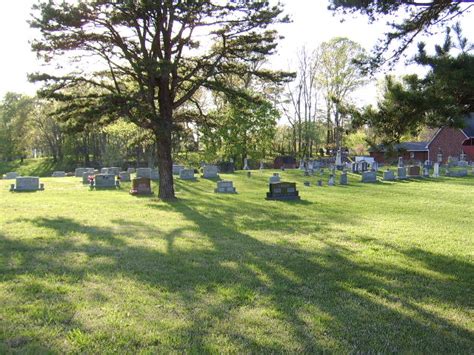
{"type": "Point", "coordinates": [369, 176]}
{"type": "Point", "coordinates": [283, 191]}
{"type": "Point", "coordinates": [343, 179]}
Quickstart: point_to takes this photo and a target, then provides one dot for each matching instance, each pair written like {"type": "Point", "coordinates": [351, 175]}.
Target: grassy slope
{"type": "Point", "coordinates": [34, 167]}
{"type": "Point", "coordinates": [384, 267]}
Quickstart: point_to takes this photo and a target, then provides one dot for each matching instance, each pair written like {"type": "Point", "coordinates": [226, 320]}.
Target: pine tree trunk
{"type": "Point", "coordinates": [165, 166]}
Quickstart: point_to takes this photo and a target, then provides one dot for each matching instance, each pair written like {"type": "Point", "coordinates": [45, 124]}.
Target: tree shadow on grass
{"type": "Point", "coordinates": [261, 296]}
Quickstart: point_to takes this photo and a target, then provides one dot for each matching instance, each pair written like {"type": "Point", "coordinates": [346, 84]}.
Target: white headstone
{"type": "Point", "coordinates": [27, 183]}
{"type": "Point", "coordinates": [246, 164]}
{"type": "Point", "coordinates": [302, 167]}
{"type": "Point", "coordinates": [210, 172]}
{"type": "Point", "coordinates": [124, 176]}
{"type": "Point", "coordinates": [331, 181]}
{"type": "Point", "coordinates": [274, 178]}
{"type": "Point", "coordinates": [339, 158]}
{"type": "Point", "coordinates": [104, 181]}
{"type": "Point", "coordinates": [225, 186]}
{"type": "Point", "coordinates": [11, 175]}
{"type": "Point", "coordinates": [436, 170]}
{"type": "Point", "coordinates": [186, 174]}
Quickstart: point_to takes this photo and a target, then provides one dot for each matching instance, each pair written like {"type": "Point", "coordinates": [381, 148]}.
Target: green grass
{"type": "Point", "coordinates": [384, 267]}
{"type": "Point", "coordinates": [35, 167]}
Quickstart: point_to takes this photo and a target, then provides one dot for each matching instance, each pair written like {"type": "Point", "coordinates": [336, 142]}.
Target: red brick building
{"type": "Point", "coordinates": [447, 141]}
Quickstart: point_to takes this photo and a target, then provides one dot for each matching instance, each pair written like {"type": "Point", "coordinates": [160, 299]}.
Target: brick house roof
{"type": "Point", "coordinates": [408, 146]}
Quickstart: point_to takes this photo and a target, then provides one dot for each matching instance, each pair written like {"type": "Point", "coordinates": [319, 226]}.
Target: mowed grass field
{"type": "Point", "coordinates": [384, 267]}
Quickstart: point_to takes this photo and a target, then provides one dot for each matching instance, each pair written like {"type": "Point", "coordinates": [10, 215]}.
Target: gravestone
{"type": "Point", "coordinates": [283, 191]}
{"type": "Point", "coordinates": [439, 157]}
{"type": "Point", "coordinates": [274, 178]}
{"type": "Point", "coordinates": [59, 174]}
{"type": "Point", "coordinates": [457, 173]}
{"type": "Point", "coordinates": [401, 173]}
{"type": "Point", "coordinates": [388, 175]}
{"type": "Point", "coordinates": [11, 175]}
{"type": "Point", "coordinates": [225, 187]}
{"type": "Point", "coordinates": [114, 170]}
{"type": "Point", "coordinates": [436, 170]}
{"type": "Point", "coordinates": [343, 179]}
{"type": "Point", "coordinates": [301, 167]}
{"type": "Point", "coordinates": [28, 183]}
{"type": "Point", "coordinates": [186, 174]}
{"type": "Point", "coordinates": [103, 181]}
{"type": "Point", "coordinates": [177, 168]}
{"type": "Point", "coordinates": [226, 167]}
{"type": "Point", "coordinates": [310, 165]}
{"type": "Point", "coordinates": [355, 168]}
{"type": "Point", "coordinates": [85, 177]}
{"type": "Point", "coordinates": [154, 174]}
{"type": "Point", "coordinates": [369, 176]}
{"type": "Point", "coordinates": [262, 166]}
{"type": "Point", "coordinates": [339, 159]}
{"type": "Point", "coordinates": [124, 176]}
{"type": "Point", "coordinates": [400, 162]}
{"type": "Point", "coordinates": [331, 181]}
{"type": "Point", "coordinates": [375, 166]}
{"type": "Point", "coordinates": [426, 172]}
{"type": "Point", "coordinates": [307, 183]}
{"type": "Point", "coordinates": [143, 173]}
{"type": "Point", "coordinates": [414, 171]}
{"type": "Point", "coordinates": [320, 183]}
{"type": "Point", "coordinates": [246, 164]}
{"type": "Point", "coordinates": [130, 170]}
{"type": "Point", "coordinates": [79, 171]}
{"type": "Point", "coordinates": [141, 186]}
{"type": "Point", "coordinates": [249, 174]}
{"type": "Point", "coordinates": [210, 172]}
{"type": "Point", "coordinates": [362, 166]}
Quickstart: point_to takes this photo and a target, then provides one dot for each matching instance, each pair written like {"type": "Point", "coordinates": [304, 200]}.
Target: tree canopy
{"type": "Point", "coordinates": [410, 18]}
{"type": "Point", "coordinates": [441, 98]}
{"type": "Point", "coordinates": [145, 60]}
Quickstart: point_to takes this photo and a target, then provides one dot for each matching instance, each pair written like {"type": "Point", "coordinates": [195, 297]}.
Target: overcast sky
{"type": "Point", "coordinates": [312, 24]}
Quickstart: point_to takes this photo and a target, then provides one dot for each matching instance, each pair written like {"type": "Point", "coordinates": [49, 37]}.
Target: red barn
{"type": "Point", "coordinates": [449, 141]}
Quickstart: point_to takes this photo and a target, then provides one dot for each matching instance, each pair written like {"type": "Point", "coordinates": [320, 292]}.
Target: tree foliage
{"type": "Point", "coordinates": [408, 19]}
{"type": "Point", "coordinates": [441, 98]}
{"type": "Point", "coordinates": [146, 59]}
{"type": "Point", "coordinates": [338, 76]}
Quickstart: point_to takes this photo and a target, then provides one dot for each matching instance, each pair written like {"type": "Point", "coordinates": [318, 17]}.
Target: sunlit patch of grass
{"type": "Point", "coordinates": [384, 267]}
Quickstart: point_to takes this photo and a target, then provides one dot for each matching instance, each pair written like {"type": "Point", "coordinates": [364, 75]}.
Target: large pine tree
{"type": "Point", "coordinates": [145, 59]}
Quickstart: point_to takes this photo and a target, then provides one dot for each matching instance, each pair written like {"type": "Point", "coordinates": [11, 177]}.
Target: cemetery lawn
{"type": "Point", "coordinates": [384, 267]}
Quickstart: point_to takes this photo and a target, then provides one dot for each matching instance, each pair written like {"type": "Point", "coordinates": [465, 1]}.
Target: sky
{"type": "Point", "coordinates": [311, 25]}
